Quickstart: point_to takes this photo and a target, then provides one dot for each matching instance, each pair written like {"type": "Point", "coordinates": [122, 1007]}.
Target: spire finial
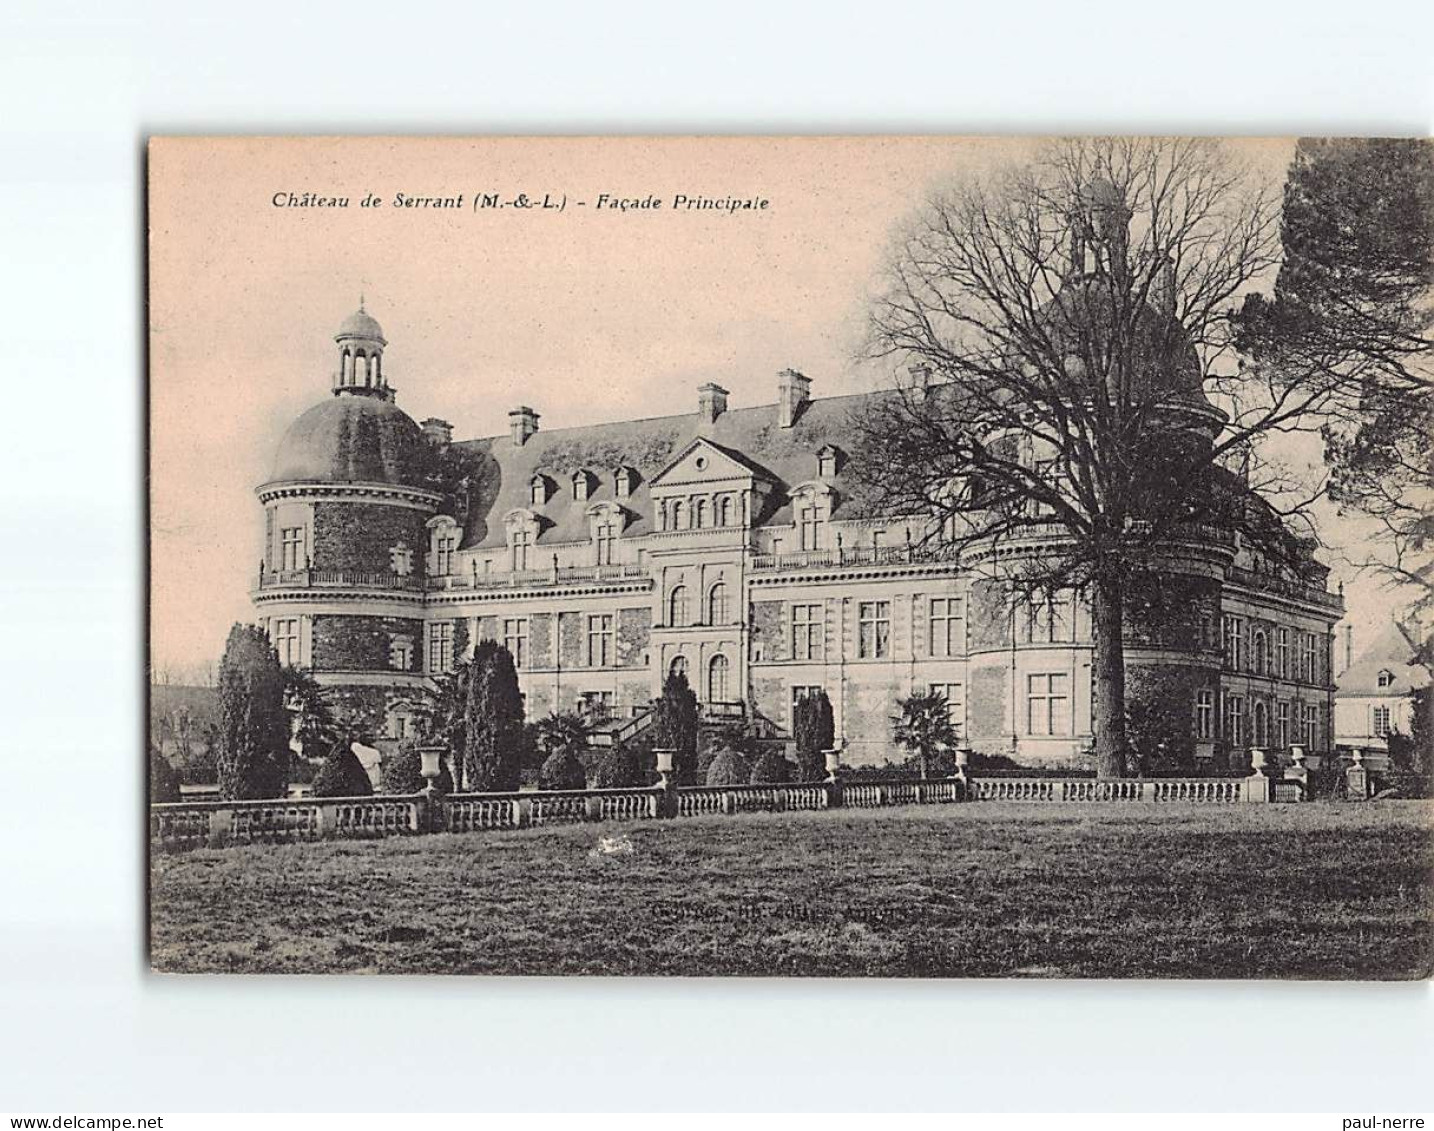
{"type": "Point", "coordinates": [360, 300]}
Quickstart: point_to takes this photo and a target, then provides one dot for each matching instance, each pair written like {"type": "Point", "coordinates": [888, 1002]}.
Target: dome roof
{"type": "Point", "coordinates": [1078, 321]}
{"type": "Point", "coordinates": [360, 324]}
{"type": "Point", "coordinates": [351, 439]}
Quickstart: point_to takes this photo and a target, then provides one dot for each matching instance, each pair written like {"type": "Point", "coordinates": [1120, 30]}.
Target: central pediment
{"type": "Point", "coordinates": [702, 462]}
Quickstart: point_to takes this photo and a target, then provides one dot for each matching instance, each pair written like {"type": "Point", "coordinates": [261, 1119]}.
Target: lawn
{"type": "Point", "coordinates": [976, 890]}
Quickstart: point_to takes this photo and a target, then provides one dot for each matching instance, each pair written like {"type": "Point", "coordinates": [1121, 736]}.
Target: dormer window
{"type": "Point", "coordinates": [1386, 679]}
{"type": "Point", "coordinates": [582, 486]}
{"type": "Point", "coordinates": [443, 545]}
{"type": "Point", "coordinates": [624, 482]}
{"type": "Point", "coordinates": [828, 460]}
{"type": "Point", "coordinates": [538, 490]}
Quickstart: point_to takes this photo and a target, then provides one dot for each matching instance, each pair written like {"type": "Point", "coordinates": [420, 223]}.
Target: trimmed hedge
{"type": "Point", "coordinates": [342, 775]}
{"type": "Point", "coordinates": [772, 769]}
{"type": "Point", "coordinates": [619, 769]}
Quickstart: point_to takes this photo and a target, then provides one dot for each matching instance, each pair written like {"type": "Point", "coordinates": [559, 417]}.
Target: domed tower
{"type": "Point", "coordinates": [340, 587]}
{"type": "Point", "coordinates": [1123, 343]}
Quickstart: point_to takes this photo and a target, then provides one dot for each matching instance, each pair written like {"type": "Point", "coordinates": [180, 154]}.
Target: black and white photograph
{"type": "Point", "coordinates": [922, 557]}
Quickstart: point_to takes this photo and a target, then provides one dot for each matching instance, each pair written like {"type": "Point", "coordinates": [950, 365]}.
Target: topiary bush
{"type": "Point", "coordinates": [562, 770]}
{"type": "Point", "coordinates": [163, 778]}
{"type": "Point", "coordinates": [729, 768]}
{"type": "Point", "coordinates": [342, 775]}
{"type": "Point", "coordinates": [619, 769]}
{"type": "Point", "coordinates": [771, 768]}
{"type": "Point", "coordinates": [403, 770]}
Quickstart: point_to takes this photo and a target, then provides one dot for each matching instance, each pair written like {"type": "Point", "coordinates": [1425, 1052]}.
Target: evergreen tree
{"type": "Point", "coordinates": [252, 760]}
{"type": "Point", "coordinates": [1351, 309]}
{"type": "Point", "coordinates": [814, 732]}
{"type": "Point", "coordinates": [492, 721]}
{"type": "Point", "coordinates": [677, 726]}
{"type": "Point", "coordinates": [729, 767]}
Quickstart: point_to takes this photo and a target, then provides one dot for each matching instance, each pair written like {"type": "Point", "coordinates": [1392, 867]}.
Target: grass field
{"type": "Point", "coordinates": [988, 889]}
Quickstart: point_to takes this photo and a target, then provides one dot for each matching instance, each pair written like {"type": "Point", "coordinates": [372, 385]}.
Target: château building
{"type": "Point", "coordinates": [736, 545]}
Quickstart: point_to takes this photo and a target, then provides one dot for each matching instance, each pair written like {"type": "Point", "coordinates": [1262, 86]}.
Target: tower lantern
{"type": "Point", "coordinates": [360, 340]}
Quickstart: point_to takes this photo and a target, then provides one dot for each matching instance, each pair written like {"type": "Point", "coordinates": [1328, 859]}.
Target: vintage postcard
{"type": "Point", "coordinates": [830, 556]}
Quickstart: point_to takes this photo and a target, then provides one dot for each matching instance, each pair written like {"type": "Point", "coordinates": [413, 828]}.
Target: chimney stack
{"type": "Point", "coordinates": [711, 402]}
{"type": "Point", "coordinates": [522, 423]}
{"type": "Point", "coordinates": [920, 377]}
{"type": "Point", "coordinates": [793, 392]}
{"type": "Point", "coordinates": [439, 433]}
{"type": "Point", "coordinates": [1348, 648]}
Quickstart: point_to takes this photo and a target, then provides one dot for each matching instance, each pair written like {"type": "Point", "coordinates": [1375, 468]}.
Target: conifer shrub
{"type": "Point", "coordinates": [342, 775]}
{"type": "Point", "coordinates": [163, 778]}
{"type": "Point", "coordinates": [562, 770]}
{"type": "Point", "coordinates": [772, 768]}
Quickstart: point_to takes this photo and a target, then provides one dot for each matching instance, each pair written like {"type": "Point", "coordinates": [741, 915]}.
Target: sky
{"type": "Point", "coordinates": [585, 313]}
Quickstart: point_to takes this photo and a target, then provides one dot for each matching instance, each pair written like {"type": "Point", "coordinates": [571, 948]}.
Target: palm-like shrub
{"type": "Point", "coordinates": [924, 728]}
{"type": "Point", "coordinates": [342, 774]}
{"type": "Point", "coordinates": [619, 769]}
{"type": "Point", "coordinates": [771, 768]}
{"type": "Point", "coordinates": [729, 768]}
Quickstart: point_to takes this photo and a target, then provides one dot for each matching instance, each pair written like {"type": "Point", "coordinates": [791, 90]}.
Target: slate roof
{"type": "Point", "coordinates": [786, 457]}
{"type": "Point", "coordinates": [353, 439]}
{"type": "Point", "coordinates": [1392, 651]}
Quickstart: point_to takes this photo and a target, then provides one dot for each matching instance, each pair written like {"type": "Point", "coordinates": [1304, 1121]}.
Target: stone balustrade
{"type": "Point", "coordinates": [192, 824]}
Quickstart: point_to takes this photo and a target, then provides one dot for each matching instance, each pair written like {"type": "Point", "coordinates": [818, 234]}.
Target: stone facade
{"type": "Point", "coordinates": [733, 544]}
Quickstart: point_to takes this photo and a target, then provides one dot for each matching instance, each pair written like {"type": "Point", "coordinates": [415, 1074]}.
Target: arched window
{"type": "Point", "coordinates": [717, 679]}
{"type": "Point", "coordinates": [717, 604]}
{"type": "Point", "coordinates": [724, 511]}
{"type": "Point", "coordinates": [1262, 659]}
{"type": "Point", "coordinates": [678, 666]}
{"type": "Point", "coordinates": [538, 490]}
{"type": "Point", "coordinates": [582, 486]}
{"type": "Point", "coordinates": [679, 514]}
{"type": "Point", "coordinates": [677, 607]}
{"type": "Point", "coordinates": [699, 514]}
{"type": "Point", "coordinates": [1262, 724]}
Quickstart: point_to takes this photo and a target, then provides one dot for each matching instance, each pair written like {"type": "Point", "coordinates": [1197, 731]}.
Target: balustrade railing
{"type": "Point", "coordinates": [851, 556]}
{"type": "Point", "coordinates": [194, 824]}
{"type": "Point", "coordinates": [336, 578]}
{"type": "Point", "coordinates": [529, 578]}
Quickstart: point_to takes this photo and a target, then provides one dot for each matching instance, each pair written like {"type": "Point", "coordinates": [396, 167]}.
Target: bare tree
{"type": "Point", "coordinates": [1076, 401]}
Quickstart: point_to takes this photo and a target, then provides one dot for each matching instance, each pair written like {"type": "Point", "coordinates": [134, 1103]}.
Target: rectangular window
{"type": "Point", "coordinates": [807, 632]}
{"type": "Point", "coordinates": [443, 547]}
{"type": "Point", "coordinates": [1234, 720]}
{"type": "Point", "coordinates": [1309, 669]}
{"type": "Point", "coordinates": [808, 527]}
{"type": "Point", "coordinates": [440, 647]}
{"type": "Point", "coordinates": [1282, 725]}
{"type": "Point", "coordinates": [1234, 637]}
{"type": "Point", "coordinates": [291, 547]}
{"type": "Point", "coordinates": [955, 704]}
{"type": "Point", "coordinates": [286, 640]}
{"type": "Point", "coordinates": [606, 539]}
{"type": "Point", "coordinates": [522, 542]}
{"type": "Point", "coordinates": [1282, 653]}
{"type": "Point", "coordinates": [515, 639]}
{"type": "Point", "coordinates": [1048, 703]}
{"type": "Point", "coordinates": [600, 650]}
{"type": "Point", "coordinates": [948, 631]}
{"type": "Point", "coordinates": [1311, 727]}
{"type": "Point", "coordinates": [1205, 713]}
{"type": "Point", "coordinates": [873, 630]}
{"type": "Point", "coordinates": [400, 653]}
{"type": "Point", "coordinates": [1047, 618]}
{"type": "Point", "coordinates": [1381, 721]}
